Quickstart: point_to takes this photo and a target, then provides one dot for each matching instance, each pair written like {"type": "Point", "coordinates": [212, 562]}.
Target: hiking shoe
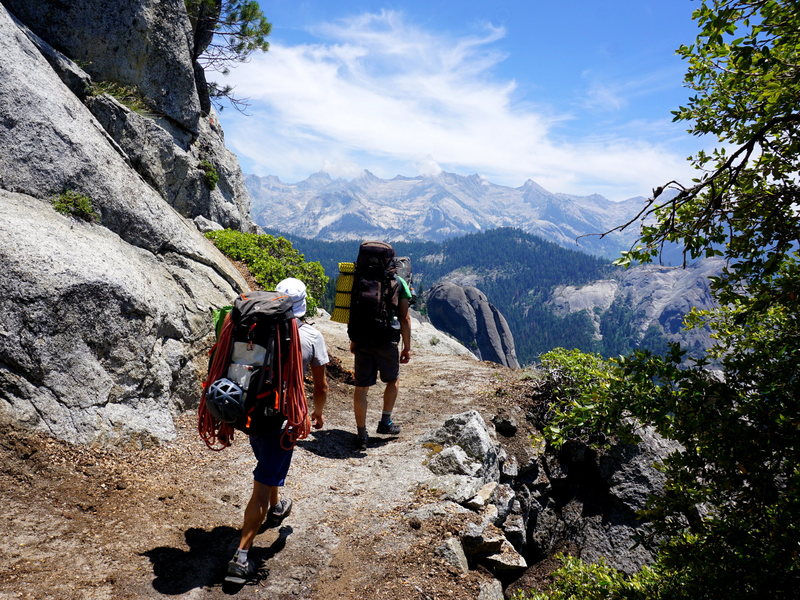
{"type": "Point", "coordinates": [279, 512]}
{"type": "Point", "coordinates": [362, 441]}
{"type": "Point", "coordinates": [390, 428]}
{"type": "Point", "coordinates": [238, 572]}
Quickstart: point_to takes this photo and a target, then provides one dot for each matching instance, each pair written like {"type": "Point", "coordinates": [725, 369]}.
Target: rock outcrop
{"type": "Point", "coordinates": [466, 314]}
{"type": "Point", "coordinates": [171, 144]}
{"type": "Point", "coordinates": [654, 296]}
{"type": "Point", "coordinates": [143, 43]}
{"type": "Point", "coordinates": [527, 502]}
{"type": "Point", "coordinates": [101, 339]}
{"type": "Point", "coordinates": [105, 324]}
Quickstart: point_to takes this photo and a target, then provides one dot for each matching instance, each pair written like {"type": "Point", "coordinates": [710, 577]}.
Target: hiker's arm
{"type": "Point", "coordinates": [405, 330]}
{"type": "Point", "coordinates": [320, 394]}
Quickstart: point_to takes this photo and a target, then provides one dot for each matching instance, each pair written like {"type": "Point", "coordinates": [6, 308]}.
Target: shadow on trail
{"type": "Point", "coordinates": [178, 571]}
{"type": "Point", "coordinates": [338, 443]}
{"type": "Point", "coordinates": [330, 443]}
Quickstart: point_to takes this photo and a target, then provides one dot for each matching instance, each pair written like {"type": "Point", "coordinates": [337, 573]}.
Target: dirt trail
{"type": "Point", "coordinates": [162, 522]}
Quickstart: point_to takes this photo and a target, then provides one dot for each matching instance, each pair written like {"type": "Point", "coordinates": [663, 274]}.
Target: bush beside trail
{"type": "Point", "coordinates": [271, 259]}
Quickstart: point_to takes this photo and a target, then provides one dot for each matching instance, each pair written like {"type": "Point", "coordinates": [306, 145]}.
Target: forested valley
{"type": "Point", "coordinates": [517, 271]}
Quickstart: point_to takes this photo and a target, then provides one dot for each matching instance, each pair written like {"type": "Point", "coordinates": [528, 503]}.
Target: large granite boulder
{"type": "Point", "coordinates": [100, 340]}
{"type": "Point", "coordinates": [103, 326]}
{"type": "Point", "coordinates": [465, 313]}
{"type": "Point", "coordinates": [142, 43]}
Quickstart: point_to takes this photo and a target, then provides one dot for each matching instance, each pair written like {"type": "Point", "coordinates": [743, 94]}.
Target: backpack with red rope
{"type": "Point", "coordinates": [255, 375]}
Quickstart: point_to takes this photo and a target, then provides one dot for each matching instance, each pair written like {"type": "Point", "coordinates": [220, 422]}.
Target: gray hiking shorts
{"type": "Point", "coordinates": [371, 360]}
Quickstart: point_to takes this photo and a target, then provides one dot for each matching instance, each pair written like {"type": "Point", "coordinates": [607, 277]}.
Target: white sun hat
{"type": "Point", "coordinates": [296, 290]}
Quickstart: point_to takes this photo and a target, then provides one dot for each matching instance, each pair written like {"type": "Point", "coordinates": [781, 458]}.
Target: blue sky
{"type": "Point", "coordinates": [575, 94]}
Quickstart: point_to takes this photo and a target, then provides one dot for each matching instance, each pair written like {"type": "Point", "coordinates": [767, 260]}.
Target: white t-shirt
{"type": "Point", "coordinates": [313, 346]}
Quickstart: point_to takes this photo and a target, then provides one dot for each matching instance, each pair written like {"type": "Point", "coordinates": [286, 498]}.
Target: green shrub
{"type": "Point", "coordinates": [76, 205]}
{"type": "Point", "coordinates": [577, 580]}
{"type": "Point", "coordinates": [271, 259]}
{"type": "Point", "coordinates": [576, 390]}
{"type": "Point", "coordinates": [212, 176]}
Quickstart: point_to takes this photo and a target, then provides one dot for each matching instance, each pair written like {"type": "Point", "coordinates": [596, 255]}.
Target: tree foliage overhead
{"type": "Point", "coordinates": [732, 499]}
{"type": "Point", "coordinates": [745, 70]}
{"type": "Point", "coordinates": [226, 32]}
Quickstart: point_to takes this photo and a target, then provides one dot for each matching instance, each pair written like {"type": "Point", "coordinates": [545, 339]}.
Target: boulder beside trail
{"type": "Point", "coordinates": [465, 313]}
{"type": "Point", "coordinates": [574, 499]}
{"type": "Point", "coordinates": [100, 341]}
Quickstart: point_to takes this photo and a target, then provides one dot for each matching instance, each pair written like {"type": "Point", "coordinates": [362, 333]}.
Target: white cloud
{"type": "Point", "coordinates": [390, 97]}
{"type": "Point", "coordinates": [604, 93]}
{"type": "Point", "coordinates": [428, 167]}
{"type": "Point", "coordinates": [604, 97]}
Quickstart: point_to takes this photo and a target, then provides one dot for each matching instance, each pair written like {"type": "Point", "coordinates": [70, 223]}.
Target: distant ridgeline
{"type": "Point", "coordinates": [518, 272]}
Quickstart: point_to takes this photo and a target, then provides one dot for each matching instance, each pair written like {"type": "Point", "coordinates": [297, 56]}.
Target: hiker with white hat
{"type": "Point", "coordinates": [265, 505]}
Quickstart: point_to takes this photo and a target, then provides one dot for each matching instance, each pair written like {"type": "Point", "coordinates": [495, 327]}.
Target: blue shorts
{"type": "Point", "coordinates": [273, 461]}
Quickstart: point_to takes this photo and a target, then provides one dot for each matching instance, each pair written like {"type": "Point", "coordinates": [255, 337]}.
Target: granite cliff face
{"type": "Point", "coordinates": [465, 313]}
{"type": "Point", "coordinates": [105, 324]}
{"type": "Point", "coordinates": [653, 295]}
{"type": "Point", "coordinates": [144, 43]}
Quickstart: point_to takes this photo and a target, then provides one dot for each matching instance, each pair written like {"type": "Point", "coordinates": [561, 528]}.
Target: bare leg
{"type": "Point", "coordinates": [263, 497]}
{"type": "Point", "coordinates": [390, 396]}
{"type": "Point", "coordinates": [360, 405]}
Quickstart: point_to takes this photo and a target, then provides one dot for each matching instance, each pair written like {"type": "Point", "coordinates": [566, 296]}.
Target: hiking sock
{"type": "Point", "coordinates": [362, 431]}
{"type": "Point", "coordinates": [386, 417]}
{"type": "Point", "coordinates": [241, 556]}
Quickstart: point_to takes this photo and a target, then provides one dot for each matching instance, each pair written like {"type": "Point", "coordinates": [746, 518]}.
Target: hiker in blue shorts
{"type": "Point", "coordinates": [273, 460]}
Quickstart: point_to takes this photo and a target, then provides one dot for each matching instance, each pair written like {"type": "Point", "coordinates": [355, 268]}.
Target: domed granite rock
{"type": "Point", "coordinates": [465, 313]}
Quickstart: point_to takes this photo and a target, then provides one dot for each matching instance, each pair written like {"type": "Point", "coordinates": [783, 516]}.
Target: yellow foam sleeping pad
{"type": "Point", "coordinates": [344, 287]}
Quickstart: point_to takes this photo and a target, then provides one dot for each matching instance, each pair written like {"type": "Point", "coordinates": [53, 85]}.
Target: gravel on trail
{"type": "Point", "coordinates": [162, 521]}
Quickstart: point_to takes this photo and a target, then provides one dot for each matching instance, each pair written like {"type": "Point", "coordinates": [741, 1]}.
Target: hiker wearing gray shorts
{"type": "Point", "coordinates": [381, 359]}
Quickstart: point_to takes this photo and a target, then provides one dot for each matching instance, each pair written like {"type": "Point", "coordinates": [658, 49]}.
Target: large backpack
{"type": "Point", "coordinates": [256, 374]}
{"type": "Point", "coordinates": [375, 296]}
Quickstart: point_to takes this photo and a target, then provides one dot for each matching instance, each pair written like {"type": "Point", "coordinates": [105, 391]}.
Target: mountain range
{"type": "Point", "coordinates": [436, 208]}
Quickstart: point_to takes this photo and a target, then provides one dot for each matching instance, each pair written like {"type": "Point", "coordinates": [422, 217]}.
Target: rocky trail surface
{"type": "Point", "coordinates": [162, 521]}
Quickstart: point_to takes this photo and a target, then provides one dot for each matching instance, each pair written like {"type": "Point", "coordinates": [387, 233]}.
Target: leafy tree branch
{"type": "Point", "coordinates": [226, 32]}
{"type": "Point", "coordinates": [732, 494]}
